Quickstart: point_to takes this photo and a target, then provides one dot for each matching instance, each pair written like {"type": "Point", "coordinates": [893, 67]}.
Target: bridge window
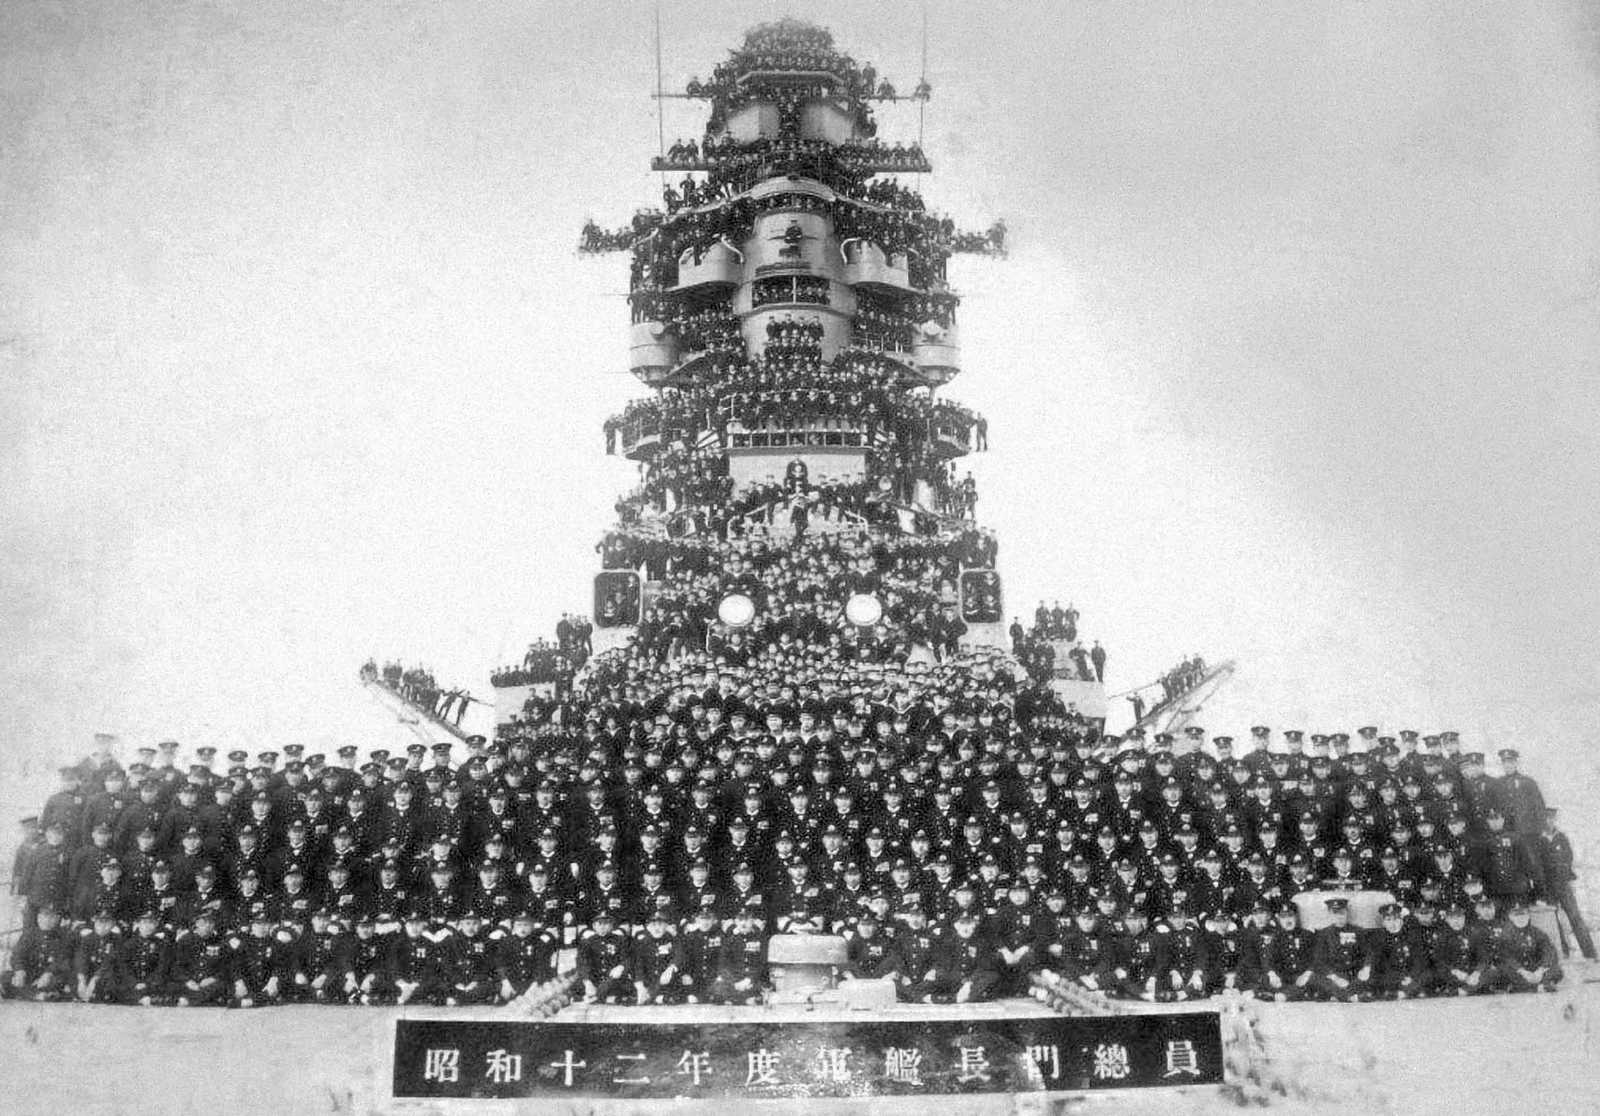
{"type": "Point", "coordinates": [789, 288]}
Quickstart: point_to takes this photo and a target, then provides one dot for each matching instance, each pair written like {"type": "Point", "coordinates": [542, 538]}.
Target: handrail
{"type": "Point", "coordinates": [379, 687]}
{"type": "Point", "coordinates": [1172, 709]}
{"type": "Point", "coordinates": [941, 517]}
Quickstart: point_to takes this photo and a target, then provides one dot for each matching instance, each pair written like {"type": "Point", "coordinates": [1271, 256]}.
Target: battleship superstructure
{"type": "Point", "coordinates": [799, 567]}
{"type": "Point", "coordinates": [801, 512]}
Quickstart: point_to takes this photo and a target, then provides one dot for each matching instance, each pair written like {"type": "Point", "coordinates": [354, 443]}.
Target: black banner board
{"type": "Point", "coordinates": [444, 1058]}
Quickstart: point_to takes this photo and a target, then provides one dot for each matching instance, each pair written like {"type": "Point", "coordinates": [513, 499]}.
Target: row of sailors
{"type": "Point", "coordinates": [1152, 876]}
{"type": "Point", "coordinates": [810, 745]}
{"type": "Point", "coordinates": [898, 807]}
{"type": "Point", "coordinates": [960, 956]}
{"type": "Point", "coordinates": [615, 722]}
{"type": "Point", "coordinates": [805, 732]}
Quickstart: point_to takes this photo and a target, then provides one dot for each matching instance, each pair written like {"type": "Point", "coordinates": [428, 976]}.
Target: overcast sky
{"type": "Point", "coordinates": [1294, 361]}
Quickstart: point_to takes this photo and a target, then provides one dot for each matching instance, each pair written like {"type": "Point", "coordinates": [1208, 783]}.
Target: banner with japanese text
{"type": "Point", "coordinates": [444, 1058]}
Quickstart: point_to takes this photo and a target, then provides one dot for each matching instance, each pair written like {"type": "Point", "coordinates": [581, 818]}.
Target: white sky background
{"type": "Point", "coordinates": [1293, 361]}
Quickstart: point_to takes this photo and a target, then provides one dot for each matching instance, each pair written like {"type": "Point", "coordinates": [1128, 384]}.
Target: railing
{"type": "Point", "coordinates": [894, 350]}
{"type": "Point", "coordinates": [383, 689]}
{"type": "Point", "coordinates": [767, 514]}
{"type": "Point", "coordinates": [952, 427]}
{"type": "Point", "coordinates": [639, 435]}
{"type": "Point", "coordinates": [780, 161]}
{"type": "Point", "coordinates": [1172, 713]}
{"type": "Point", "coordinates": [798, 438]}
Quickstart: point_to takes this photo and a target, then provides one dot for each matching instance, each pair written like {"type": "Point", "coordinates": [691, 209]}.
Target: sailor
{"type": "Point", "coordinates": [187, 860]}
{"type": "Point", "coordinates": [201, 964]}
{"type": "Point", "coordinates": [466, 963]}
{"type": "Point", "coordinates": [1527, 960]}
{"type": "Point", "coordinates": [604, 959]}
{"type": "Point", "coordinates": [162, 895]}
{"type": "Point", "coordinates": [1135, 961]}
{"type": "Point", "coordinates": [94, 960]}
{"type": "Point", "coordinates": [47, 881]}
{"type": "Point", "coordinates": [1341, 968]}
{"type": "Point", "coordinates": [1088, 954]}
{"type": "Point", "coordinates": [248, 903]}
{"type": "Point", "coordinates": [109, 893]}
{"type": "Point", "coordinates": [370, 977]}
{"type": "Point", "coordinates": [66, 806]}
{"type": "Point", "coordinates": [41, 961]}
{"type": "Point", "coordinates": [30, 840]}
{"type": "Point", "coordinates": [416, 961]}
{"type": "Point", "coordinates": [321, 961]}
{"type": "Point", "coordinates": [657, 960]}
{"type": "Point", "coordinates": [1224, 953]}
{"type": "Point", "coordinates": [741, 964]}
{"type": "Point", "coordinates": [1287, 958]}
{"type": "Point", "coordinates": [294, 903]}
{"type": "Point", "coordinates": [1019, 937]}
{"type": "Point", "coordinates": [1180, 955]}
{"type": "Point", "coordinates": [1256, 938]}
{"type": "Point", "coordinates": [105, 806]}
{"type": "Point", "coordinates": [869, 954]}
{"type": "Point", "coordinates": [1395, 877]}
{"type": "Point", "coordinates": [440, 897]}
{"type": "Point", "coordinates": [496, 892]}
{"type": "Point", "coordinates": [83, 867]}
{"type": "Point", "coordinates": [525, 957]}
{"type": "Point", "coordinates": [1555, 864]}
{"type": "Point", "coordinates": [965, 967]}
{"type": "Point", "coordinates": [917, 947]}
{"type": "Point", "coordinates": [263, 963]}
{"type": "Point", "coordinates": [1459, 963]}
{"type": "Point", "coordinates": [1505, 860]}
{"type": "Point", "coordinates": [342, 850]}
{"type": "Point", "coordinates": [702, 939]}
{"type": "Point", "coordinates": [1398, 960]}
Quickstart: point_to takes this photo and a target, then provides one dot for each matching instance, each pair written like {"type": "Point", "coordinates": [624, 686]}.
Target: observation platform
{"type": "Point", "coordinates": [867, 265]}
{"type": "Point", "coordinates": [652, 351]}
{"type": "Point", "coordinates": [718, 267]}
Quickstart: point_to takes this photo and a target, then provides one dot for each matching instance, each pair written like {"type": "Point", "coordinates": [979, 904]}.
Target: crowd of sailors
{"type": "Point", "coordinates": [959, 828]}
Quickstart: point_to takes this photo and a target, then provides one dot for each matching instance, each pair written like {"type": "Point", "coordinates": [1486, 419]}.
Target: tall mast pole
{"type": "Point", "coordinates": [922, 82]}
{"type": "Point", "coordinates": [922, 102]}
{"type": "Point", "coordinates": [661, 120]}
